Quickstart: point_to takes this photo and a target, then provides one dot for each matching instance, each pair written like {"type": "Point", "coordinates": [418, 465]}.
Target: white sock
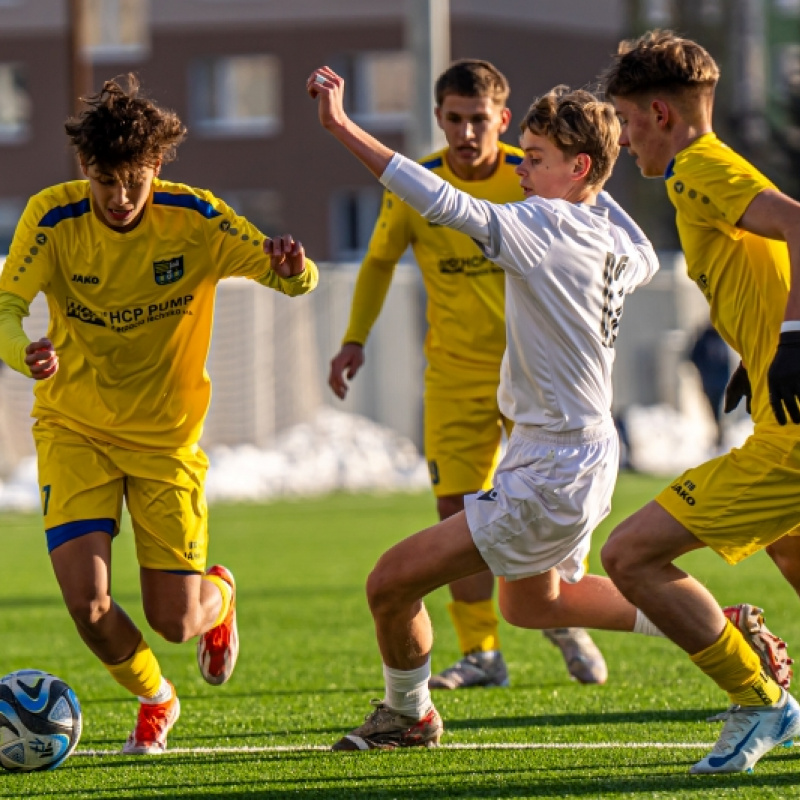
{"type": "Point", "coordinates": [645, 627]}
{"type": "Point", "coordinates": [163, 694]}
{"type": "Point", "coordinates": [407, 690]}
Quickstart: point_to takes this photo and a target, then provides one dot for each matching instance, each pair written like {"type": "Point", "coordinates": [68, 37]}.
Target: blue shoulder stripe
{"type": "Point", "coordinates": [513, 159]}
{"type": "Point", "coordinates": [190, 201]}
{"type": "Point", "coordinates": [71, 211]}
{"type": "Point", "coordinates": [432, 163]}
{"type": "Point", "coordinates": [670, 170]}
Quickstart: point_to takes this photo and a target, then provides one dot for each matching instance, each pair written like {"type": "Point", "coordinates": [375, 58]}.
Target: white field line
{"type": "Point", "coordinates": [309, 748]}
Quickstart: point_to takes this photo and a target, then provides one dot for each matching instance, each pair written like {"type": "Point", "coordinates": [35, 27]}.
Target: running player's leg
{"type": "Point", "coordinates": [462, 441]}
{"type": "Point", "coordinates": [181, 598]}
{"type": "Point", "coordinates": [82, 492]}
{"type": "Point", "coordinates": [785, 552]}
{"type": "Point", "coordinates": [719, 504]}
{"type": "Point", "coordinates": [395, 588]}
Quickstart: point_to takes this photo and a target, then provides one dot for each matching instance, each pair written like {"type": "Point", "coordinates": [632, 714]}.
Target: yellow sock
{"type": "Point", "coordinates": [140, 674]}
{"type": "Point", "coordinates": [734, 666]}
{"type": "Point", "coordinates": [476, 625]}
{"type": "Point", "coordinates": [227, 596]}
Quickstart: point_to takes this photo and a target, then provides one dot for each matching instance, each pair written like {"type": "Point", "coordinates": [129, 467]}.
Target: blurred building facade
{"type": "Point", "coordinates": [235, 72]}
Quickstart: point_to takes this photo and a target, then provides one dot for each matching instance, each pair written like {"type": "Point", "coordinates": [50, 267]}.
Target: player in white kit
{"type": "Point", "coordinates": [571, 256]}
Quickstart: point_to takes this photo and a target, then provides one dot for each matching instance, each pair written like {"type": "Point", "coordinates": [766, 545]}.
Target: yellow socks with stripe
{"type": "Point", "coordinates": [476, 625]}
{"type": "Point", "coordinates": [734, 666]}
{"type": "Point", "coordinates": [227, 596]}
{"type": "Point", "coordinates": [140, 674]}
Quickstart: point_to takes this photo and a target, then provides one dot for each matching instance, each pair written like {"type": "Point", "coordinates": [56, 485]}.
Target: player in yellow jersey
{"type": "Point", "coordinates": [464, 347]}
{"type": "Point", "coordinates": [741, 238]}
{"type": "Point", "coordinates": [129, 265]}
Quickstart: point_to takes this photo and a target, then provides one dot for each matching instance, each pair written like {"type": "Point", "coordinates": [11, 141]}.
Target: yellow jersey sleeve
{"type": "Point", "coordinates": [235, 244]}
{"type": "Point", "coordinates": [744, 277]}
{"type": "Point", "coordinates": [13, 339]}
{"type": "Point", "coordinates": [390, 239]}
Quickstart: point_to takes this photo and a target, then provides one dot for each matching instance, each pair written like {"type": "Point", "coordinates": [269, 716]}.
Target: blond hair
{"type": "Point", "coordinates": [577, 121]}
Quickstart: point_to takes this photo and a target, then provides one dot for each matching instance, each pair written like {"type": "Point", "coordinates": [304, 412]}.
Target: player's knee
{"type": "Point", "coordinates": [615, 556]}
{"type": "Point", "coordinates": [175, 628]}
{"type": "Point", "coordinates": [384, 585]}
{"type": "Point", "coordinates": [88, 611]}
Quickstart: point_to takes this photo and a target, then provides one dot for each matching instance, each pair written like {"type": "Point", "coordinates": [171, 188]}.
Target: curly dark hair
{"type": "Point", "coordinates": [121, 132]}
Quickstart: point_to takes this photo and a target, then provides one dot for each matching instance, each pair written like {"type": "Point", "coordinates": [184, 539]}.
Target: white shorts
{"type": "Point", "coordinates": [550, 492]}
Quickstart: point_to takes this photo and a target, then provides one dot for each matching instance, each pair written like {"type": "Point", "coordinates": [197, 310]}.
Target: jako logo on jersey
{"type": "Point", "coordinates": [684, 494]}
{"type": "Point", "coordinates": [80, 312]}
{"type": "Point", "coordinates": [490, 495]}
{"type": "Point", "coordinates": [168, 271]}
{"type": "Point", "coordinates": [93, 279]}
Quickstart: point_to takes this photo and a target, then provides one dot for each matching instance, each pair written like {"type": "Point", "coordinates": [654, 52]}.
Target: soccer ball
{"type": "Point", "coordinates": [40, 721]}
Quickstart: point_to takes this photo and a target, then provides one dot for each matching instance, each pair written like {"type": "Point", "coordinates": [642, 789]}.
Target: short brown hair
{"type": "Point", "coordinates": [470, 77]}
{"type": "Point", "coordinates": [660, 60]}
{"type": "Point", "coordinates": [121, 132]}
{"type": "Point", "coordinates": [577, 121]}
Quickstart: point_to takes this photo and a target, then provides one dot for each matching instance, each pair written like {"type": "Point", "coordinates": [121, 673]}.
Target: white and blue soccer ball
{"type": "Point", "coordinates": [40, 721]}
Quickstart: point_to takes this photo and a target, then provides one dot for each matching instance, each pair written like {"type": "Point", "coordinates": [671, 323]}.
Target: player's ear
{"type": "Point", "coordinates": [84, 168]}
{"type": "Point", "coordinates": [581, 166]}
{"type": "Point", "coordinates": [661, 113]}
{"type": "Point", "coordinates": [505, 116]}
{"type": "Point", "coordinates": [157, 168]}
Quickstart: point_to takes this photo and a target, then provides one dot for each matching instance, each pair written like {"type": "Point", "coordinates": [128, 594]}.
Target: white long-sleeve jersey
{"type": "Point", "coordinates": [568, 269]}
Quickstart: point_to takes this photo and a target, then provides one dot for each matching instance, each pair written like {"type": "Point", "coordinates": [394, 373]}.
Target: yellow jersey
{"type": "Point", "coordinates": [744, 277]}
{"type": "Point", "coordinates": [465, 291]}
{"type": "Point", "coordinates": [131, 313]}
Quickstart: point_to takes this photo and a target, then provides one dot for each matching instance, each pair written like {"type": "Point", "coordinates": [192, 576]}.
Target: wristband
{"type": "Point", "coordinates": [790, 326]}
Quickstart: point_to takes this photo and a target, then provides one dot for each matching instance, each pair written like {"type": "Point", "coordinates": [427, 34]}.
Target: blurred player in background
{"type": "Point", "coordinates": [129, 265]}
{"type": "Point", "coordinates": [463, 424]}
{"type": "Point", "coordinates": [734, 227]}
{"type": "Point", "coordinates": [571, 255]}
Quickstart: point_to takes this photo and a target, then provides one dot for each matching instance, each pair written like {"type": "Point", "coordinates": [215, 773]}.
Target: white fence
{"type": "Point", "coordinates": [270, 357]}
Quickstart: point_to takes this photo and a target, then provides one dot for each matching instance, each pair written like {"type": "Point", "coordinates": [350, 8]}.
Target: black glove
{"type": "Point", "coordinates": [737, 388]}
{"type": "Point", "coordinates": [783, 378]}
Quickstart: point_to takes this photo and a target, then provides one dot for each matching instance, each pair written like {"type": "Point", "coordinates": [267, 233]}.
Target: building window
{"type": "Point", "coordinates": [658, 12]}
{"type": "Point", "coordinates": [790, 8]}
{"type": "Point", "coordinates": [380, 87]}
{"type": "Point", "coordinates": [115, 29]}
{"type": "Point", "coordinates": [15, 104]}
{"type": "Point", "coordinates": [10, 212]}
{"type": "Point", "coordinates": [353, 213]}
{"type": "Point", "coordinates": [236, 95]}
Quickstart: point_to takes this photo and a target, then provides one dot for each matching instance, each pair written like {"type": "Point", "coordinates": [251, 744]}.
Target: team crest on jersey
{"type": "Point", "coordinates": [80, 312]}
{"type": "Point", "coordinates": [168, 271]}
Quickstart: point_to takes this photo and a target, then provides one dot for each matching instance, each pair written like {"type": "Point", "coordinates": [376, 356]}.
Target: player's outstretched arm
{"type": "Point", "coordinates": [776, 216]}
{"type": "Point", "coordinates": [328, 87]}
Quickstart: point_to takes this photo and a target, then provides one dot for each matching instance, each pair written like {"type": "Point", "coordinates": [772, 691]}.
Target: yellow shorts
{"type": "Point", "coordinates": [742, 501]}
{"type": "Point", "coordinates": [83, 482]}
{"type": "Point", "coordinates": [462, 443]}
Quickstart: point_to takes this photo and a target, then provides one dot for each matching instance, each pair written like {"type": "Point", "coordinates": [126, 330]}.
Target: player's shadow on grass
{"type": "Point", "coordinates": [574, 719]}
